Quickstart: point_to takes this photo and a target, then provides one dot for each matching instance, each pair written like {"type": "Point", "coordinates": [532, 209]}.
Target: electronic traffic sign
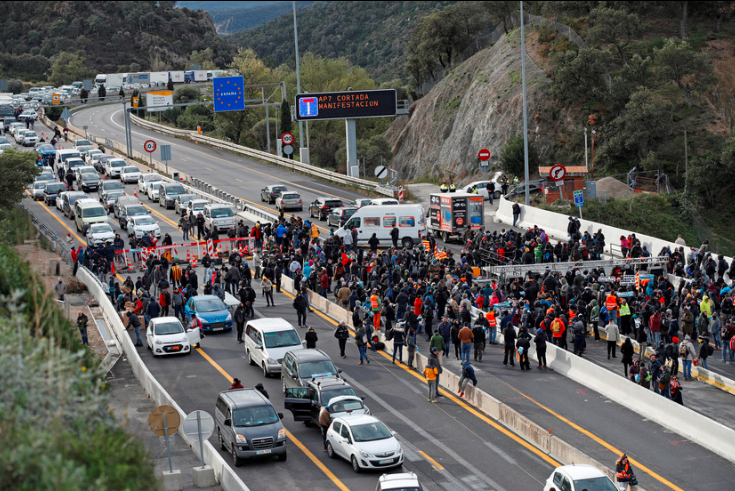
{"type": "Point", "coordinates": [351, 104]}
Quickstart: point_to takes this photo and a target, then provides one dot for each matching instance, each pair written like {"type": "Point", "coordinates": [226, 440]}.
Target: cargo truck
{"type": "Point", "coordinates": [452, 214]}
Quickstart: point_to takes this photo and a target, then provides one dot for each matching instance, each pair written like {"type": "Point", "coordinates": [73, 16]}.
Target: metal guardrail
{"type": "Point", "coordinates": [58, 244]}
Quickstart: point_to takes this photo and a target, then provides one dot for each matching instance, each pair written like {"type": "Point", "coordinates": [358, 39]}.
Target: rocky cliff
{"type": "Point", "coordinates": [479, 105]}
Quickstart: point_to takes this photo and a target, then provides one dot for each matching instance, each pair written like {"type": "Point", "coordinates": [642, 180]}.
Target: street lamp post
{"type": "Point", "coordinates": [525, 115]}
{"type": "Point", "coordinates": [298, 72]}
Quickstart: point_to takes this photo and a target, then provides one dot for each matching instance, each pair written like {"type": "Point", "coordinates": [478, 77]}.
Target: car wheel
{"type": "Point", "coordinates": [235, 459]}
{"type": "Point", "coordinates": [496, 194]}
{"type": "Point", "coordinates": [283, 383]}
{"type": "Point", "coordinates": [301, 208]}
{"type": "Point", "coordinates": [407, 242]}
{"type": "Point", "coordinates": [355, 465]}
{"type": "Point", "coordinates": [265, 371]}
{"type": "Point", "coordinates": [445, 236]}
{"type": "Point", "coordinates": [250, 358]}
{"type": "Point", "coordinates": [330, 450]}
{"type": "Point", "coordinates": [282, 457]}
{"type": "Point", "coordinates": [222, 445]}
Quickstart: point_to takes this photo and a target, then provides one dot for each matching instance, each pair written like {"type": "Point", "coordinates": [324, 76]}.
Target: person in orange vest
{"type": "Point", "coordinates": [558, 332]}
{"type": "Point", "coordinates": [376, 305]}
{"type": "Point", "coordinates": [493, 326]}
{"type": "Point", "coordinates": [611, 304]}
{"type": "Point", "coordinates": [624, 472]}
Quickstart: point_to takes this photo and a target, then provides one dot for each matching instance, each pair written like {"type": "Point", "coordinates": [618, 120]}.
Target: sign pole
{"type": "Point", "coordinates": [150, 160]}
{"type": "Point", "coordinates": [168, 447]}
{"type": "Point", "coordinates": [201, 443]}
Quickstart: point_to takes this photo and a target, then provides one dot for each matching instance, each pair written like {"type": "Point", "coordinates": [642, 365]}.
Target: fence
{"type": "Point", "coordinates": [58, 245]}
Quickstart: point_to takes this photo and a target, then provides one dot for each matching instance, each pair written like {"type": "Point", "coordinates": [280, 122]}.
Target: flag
{"type": "Point", "coordinates": [427, 245]}
{"type": "Point", "coordinates": [436, 252]}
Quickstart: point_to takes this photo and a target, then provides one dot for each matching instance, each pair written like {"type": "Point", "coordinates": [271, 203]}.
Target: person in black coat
{"type": "Point", "coordinates": [240, 320]}
{"type": "Point", "coordinates": [524, 345]}
{"type": "Point", "coordinates": [540, 341]}
{"type": "Point", "coordinates": [627, 351]}
{"type": "Point", "coordinates": [311, 338]}
{"type": "Point", "coordinates": [509, 333]}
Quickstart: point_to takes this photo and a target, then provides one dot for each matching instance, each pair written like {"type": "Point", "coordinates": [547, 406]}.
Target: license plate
{"type": "Point", "coordinates": [175, 348]}
{"type": "Point", "coordinates": [217, 328]}
{"type": "Point", "coordinates": [383, 462]}
{"type": "Point", "coordinates": [263, 452]}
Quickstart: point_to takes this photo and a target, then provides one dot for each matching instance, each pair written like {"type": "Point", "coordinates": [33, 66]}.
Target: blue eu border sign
{"type": "Point", "coordinates": [352, 104]}
{"type": "Point", "coordinates": [228, 94]}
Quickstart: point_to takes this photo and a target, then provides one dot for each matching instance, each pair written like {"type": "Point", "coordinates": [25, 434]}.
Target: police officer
{"type": "Point", "coordinates": [452, 187]}
{"type": "Point", "coordinates": [443, 188]}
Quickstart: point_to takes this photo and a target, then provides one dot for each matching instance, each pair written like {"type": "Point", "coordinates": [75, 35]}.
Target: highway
{"type": "Point", "coordinates": [448, 445]}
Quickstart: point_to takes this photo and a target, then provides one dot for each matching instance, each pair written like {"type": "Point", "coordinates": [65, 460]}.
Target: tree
{"type": "Point", "coordinates": [512, 156]}
{"type": "Point", "coordinates": [186, 94]}
{"type": "Point", "coordinates": [16, 86]}
{"type": "Point", "coordinates": [102, 92]}
{"type": "Point", "coordinates": [67, 68]}
{"type": "Point", "coordinates": [83, 95]}
{"type": "Point", "coordinates": [286, 123]}
{"type": "Point", "coordinates": [616, 28]}
{"type": "Point", "coordinates": [501, 12]}
{"type": "Point", "coordinates": [689, 70]}
{"type": "Point", "coordinates": [579, 74]}
{"type": "Point", "coordinates": [17, 170]}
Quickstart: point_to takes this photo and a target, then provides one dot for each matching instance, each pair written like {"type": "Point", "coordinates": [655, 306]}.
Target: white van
{"type": "Point", "coordinates": [218, 216]}
{"type": "Point", "coordinates": [268, 340]}
{"type": "Point", "coordinates": [88, 211]}
{"type": "Point", "coordinates": [63, 154]}
{"type": "Point", "coordinates": [379, 220]}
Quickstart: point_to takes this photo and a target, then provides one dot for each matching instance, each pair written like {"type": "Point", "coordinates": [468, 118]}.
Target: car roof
{"type": "Point", "coordinates": [400, 480]}
{"type": "Point", "coordinates": [358, 419]}
{"type": "Point", "coordinates": [581, 471]}
{"type": "Point", "coordinates": [201, 298]}
{"type": "Point", "coordinates": [271, 324]}
{"type": "Point", "coordinates": [245, 397]}
{"type": "Point", "coordinates": [325, 382]}
{"type": "Point", "coordinates": [196, 201]}
{"type": "Point", "coordinates": [306, 354]}
{"type": "Point", "coordinates": [170, 318]}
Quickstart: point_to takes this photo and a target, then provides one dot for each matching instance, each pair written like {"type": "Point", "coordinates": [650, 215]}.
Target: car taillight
{"type": "Point", "coordinates": [325, 208]}
{"type": "Point", "coordinates": [299, 201]}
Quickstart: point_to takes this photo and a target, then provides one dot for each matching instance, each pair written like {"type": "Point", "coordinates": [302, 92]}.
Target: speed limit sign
{"type": "Point", "coordinates": [287, 138]}
{"type": "Point", "coordinates": [149, 146]}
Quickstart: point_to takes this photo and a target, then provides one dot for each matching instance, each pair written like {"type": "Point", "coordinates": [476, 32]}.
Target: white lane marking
{"type": "Point", "coordinates": [500, 452]}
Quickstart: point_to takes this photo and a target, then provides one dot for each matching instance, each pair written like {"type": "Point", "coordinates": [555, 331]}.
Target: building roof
{"type": "Point", "coordinates": [571, 169]}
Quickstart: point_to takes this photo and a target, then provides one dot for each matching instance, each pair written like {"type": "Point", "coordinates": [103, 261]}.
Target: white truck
{"type": "Point", "coordinates": [159, 78]}
{"type": "Point", "coordinates": [100, 79]}
{"type": "Point", "coordinates": [114, 79]}
{"type": "Point", "coordinates": [177, 77]}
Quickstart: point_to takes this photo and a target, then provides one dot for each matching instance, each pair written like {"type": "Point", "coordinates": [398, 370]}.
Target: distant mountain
{"type": "Point", "coordinates": [232, 17]}
{"type": "Point", "coordinates": [372, 35]}
{"type": "Point", "coordinates": [102, 37]}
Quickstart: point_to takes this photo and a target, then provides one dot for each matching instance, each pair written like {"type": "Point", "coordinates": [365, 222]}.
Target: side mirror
{"type": "Point", "coordinates": [189, 330]}
{"type": "Point", "coordinates": [339, 370]}
{"type": "Point", "coordinates": [280, 415]}
{"type": "Point", "coordinates": [295, 377]}
{"type": "Point", "coordinates": [228, 422]}
{"type": "Point", "coordinates": [362, 397]}
{"type": "Point", "coordinates": [393, 433]}
{"type": "Point", "coordinates": [259, 346]}
{"type": "Point", "coordinates": [345, 440]}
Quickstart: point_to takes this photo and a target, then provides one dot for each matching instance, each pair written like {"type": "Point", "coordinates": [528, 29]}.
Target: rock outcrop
{"type": "Point", "coordinates": [479, 105]}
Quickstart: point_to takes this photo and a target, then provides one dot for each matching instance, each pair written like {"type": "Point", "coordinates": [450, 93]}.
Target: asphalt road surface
{"type": "Point", "coordinates": [448, 444]}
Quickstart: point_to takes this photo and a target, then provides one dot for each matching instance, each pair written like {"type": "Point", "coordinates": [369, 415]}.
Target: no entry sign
{"type": "Point", "coordinates": [557, 172]}
{"type": "Point", "coordinates": [484, 154]}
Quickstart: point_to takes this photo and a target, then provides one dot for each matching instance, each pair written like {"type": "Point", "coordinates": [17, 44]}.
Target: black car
{"type": "Point", "coordinates": [321, 207]}
{"type": "Point", "coordinates": [51, 192]}
{"type": "Point", "coordinates": [90, 181]}
{"type": "Point", "coordinates": [519, 190]}
{"type": "Point", "coordinates": [305, 403]}
{"type": "Point", "coordinates": [270, 193]}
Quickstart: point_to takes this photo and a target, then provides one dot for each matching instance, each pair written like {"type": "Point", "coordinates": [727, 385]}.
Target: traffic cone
{"type": "Point", "coordinates": [194, 262]}
{"type": "Point", "coordinates": [69, 239]}
{"type": "Point", "coordinates": [135, 192]}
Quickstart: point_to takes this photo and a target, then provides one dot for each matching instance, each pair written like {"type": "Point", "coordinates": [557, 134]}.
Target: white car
{"type": "Point", "coordinates": [153, 191]}
{"type": "Point", "coordinates": [5, 146]}
{"type": "Point", "coordinates": [84, 150]}
{"type": "Point", "coordinates": [113, 167]}
{"type": "Point", "coordinates": [93, 155]}
{"type": "Point", "coordinates": [145, 179]}
{"type": "Point", "coordinates": [166, 336]}
{"type": "Point", "coordinates": [578, 477]}
{"type": "Point", "coordinates": [59, 200]}
{"type": "Point", "coordinates": [403, 481]}
{"type": "Point", "coordinates": [30, 138]}
{"type": "Point", "coordinates": [18, 135]}
{"type": "Point", "coordinates": [196, 206]}
{"type": "Point", "coordinates": [365, 442]}
{"type": "Point", "coordinates": [129, 174]}
{"type": "Point", "coordinates": [100, 233]}
{"type": "Point", "coordinates": [85, 169]}
{"type": "Point", "coordinates": [289, 200]}
{"type": "Point", "coordinates": [15, 127]}
{"type": "Point", "coordinates": [37, 189]}
{"type": "Point", "coordinates": [139, 225]}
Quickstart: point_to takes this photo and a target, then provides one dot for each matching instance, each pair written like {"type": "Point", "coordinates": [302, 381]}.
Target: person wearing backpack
{"type": "Point", "coordinates": [705, 351]}
{"type": "Point", "coordinates": [687, 354]}
{"type": "Point", "coordinates": [663, 382]}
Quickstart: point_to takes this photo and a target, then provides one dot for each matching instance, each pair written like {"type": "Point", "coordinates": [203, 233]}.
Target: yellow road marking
{"type": "Point", "coordinates": [209, 169]}
{"type": "Point", "coordinates": [458, 401]}
{"type": "Point", "coordinates": [238, 180]}
{"type": "Point", "coordinates": [290, 435]}
{"type": "Point", "coordinates": [60, 221]}
{"type": "Point", "coordinates": [434, 463]}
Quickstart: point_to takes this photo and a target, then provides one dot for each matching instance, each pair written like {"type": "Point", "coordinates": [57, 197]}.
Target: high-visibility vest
{"type": "Point", "coordinates": [611, 303]}
{"type": "Point", "coordinates": [452, 187]}
{"type": "Point", "coordinates": [443, 188]}
{"type": "Point", "coordinates": [374, 302]}
{"type": "Point", "coordinates": [314, 232]}
{"type": "Point", "coordinates": [491, 319]}
{"type": "Point", "coordinates": [624, 309]}
{"type": "Point", "coordinates": [624, 473]}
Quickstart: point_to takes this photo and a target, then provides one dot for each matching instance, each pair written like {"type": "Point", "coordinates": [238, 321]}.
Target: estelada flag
{"type": "Point", "coordinates": [427, 245]}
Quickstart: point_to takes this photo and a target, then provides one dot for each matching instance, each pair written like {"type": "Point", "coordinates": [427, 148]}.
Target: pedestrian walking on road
{"type": "Point", "coordinates": [627, 351]}
{"type": "Point", "coordinates": [342, 334]}
{"type": "Point", "coordinates": [60, 289]}
{"type": "Point", "coordinates": [325, 419]}
{"type": "Point", "coordinates": [134, 322]}
{"type": "Point", "coordinates": [299, 303]}
{"type": "Point", "coordinates": [540, 342]}
{"type": "Point", "coordinates": [613, 336]}
{"type": "Point", "coordinates": [267, 285]}
{"type": "Point", "coordinates": [239, 318]}
{"type": "Point", "coordinates": [398, 334]}
{"type": "Point", "coordinates": [431, 373]}
{"type": "Point", "coordinates": [624, 473]}
{"type": "Point", "coordinates": [311, 338]}
{"type": "Point", "coordinates": [411, 347]}
{"type": "Point", "coordinates": [361, 347]}
{"type": "Point", "coordinates": [82, 321]}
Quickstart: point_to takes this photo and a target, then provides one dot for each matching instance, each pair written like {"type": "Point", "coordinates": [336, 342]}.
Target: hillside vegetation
{"type": "Point", "coordinates": [66, 41]}
{"type": "Point", "coordinates": [232, 17]}
{"type": "Point", "coordinates": [372, 35]}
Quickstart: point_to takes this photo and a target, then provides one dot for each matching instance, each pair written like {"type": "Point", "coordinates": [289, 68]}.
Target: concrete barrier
{"type": "Point", "coordinates": [224, 474]}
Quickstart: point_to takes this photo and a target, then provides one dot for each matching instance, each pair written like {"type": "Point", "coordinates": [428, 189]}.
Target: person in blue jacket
{"type": "Point", "coordinates": [468, 373]}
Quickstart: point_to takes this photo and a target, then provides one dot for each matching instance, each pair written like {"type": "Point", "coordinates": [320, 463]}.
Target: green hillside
{"type": "Point", "coordinates": [232, 17]}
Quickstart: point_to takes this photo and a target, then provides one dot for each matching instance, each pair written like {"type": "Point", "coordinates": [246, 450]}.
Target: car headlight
{"type": "Point", "coordinates": [228, 318]}
{"type": "Point", "coordinates": [365, 454]}
{"type": "Point", "coordinates": [183, 340]}
{"type": "Point", "coordinates": [159, 342]}
{"type": "Point", "coordinates": [203, 321]}
{"type": "Point", "coordinates": [272, 361]}
{"type": "Point", "coordinates": [241, 439]}
{"type": "Point", "coordinates": [281, 434]}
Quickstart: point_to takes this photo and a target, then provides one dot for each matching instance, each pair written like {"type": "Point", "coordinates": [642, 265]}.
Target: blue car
{"type": "Point", "coordinates": [211, 311]}
{"type": "Point", "coordinates": [47, 152]}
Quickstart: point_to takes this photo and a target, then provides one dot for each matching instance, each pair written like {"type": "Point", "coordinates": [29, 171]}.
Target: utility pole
{"type": "Point", "coordinates": [525, 115]}
{"type": "Point", "coordinates": [298, 72]}
{"type": "Point", "coordinates": [686, 163]}
{"type": "Point", "coordinates": [586, 162]}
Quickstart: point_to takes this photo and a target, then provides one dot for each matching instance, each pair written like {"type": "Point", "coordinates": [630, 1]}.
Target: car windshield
{"type": "Point", "coordinates": [221, 212]}
{"type": "Point", "coordinates": [210, 305]}
{"type": "Point", "coordinates": [118, 163]}
{"type": "Point", "coordinates": [69, 155]}
{"type": "Point", "coordinates": [130, 170]}
{"type": "Point", "coordinates": [175, 189]}
{"type": "Point", "coordinates": [155, 185]}
{"type": "Point", "coordinates": [185, 198]}
{"type": "Point", "coordinates": [333, 203]}
{"type": "Point", "coordinates": [145, 221]}
{"type": "Point", "coordinates": [73, 163]}
{"type": "Point", "coordinates": [137, 210]}
{"type": "Point", "coordinates": [30, 133]}
{"type": "Point", "coordinates": [165, 328]}
{"type": "Point", "coordinates": [595, 484]}
{"type": "Point", "coordinates": [254, 416]}
{"type": "Point", "coordinates": [112, 185]}
{"type": "Point", "coordinates": [74, 197]}
{"type": "Point", "coordinates": [83, 142]}
{"type": "Point", "coordinates": [55, 188]}
{"type": "Point", "coordinates": [46, 148]}
{"type": "Point", "coordinates": [329, 394]}
{"type": "Point", "coordinates": [280, 339]}
{"type": "Point", "coordinates": [322, 368]}
{"type": "Point", "coordinates": [113, 195]}
{"type": "Point", "coordinates": [152, 178]}
{"type": "Point", "coordinates": [88, 176]}
{"type": "Point", "coordinates": [96, 211]}
{"type": "Point", "coordinates": [370, 432]}
{"type": "Point", "coordinates": [39, 185]}
{"type": "Point", "coordinates": [99, 228]}
{"type": "Point", "coordinates": [290, 196]}
{"type": "Point", "coordinates": [345, 406]}
{"type": "Point", "coordinates": [199, 206]}
{"type": "Point", "coordinates": [349, 212]}
{"type": "Point", "coordinates": [84, 148]}
{"type": "Point", "coordinates": [278, 189]}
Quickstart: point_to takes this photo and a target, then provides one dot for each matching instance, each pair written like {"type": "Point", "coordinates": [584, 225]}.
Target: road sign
{"type": "Point", "coordinates": [136, 101]}
{"type": "Point", "coordinates": [87, 84]}
{"type": "Point", "coordinates": [154, 100]}
{"type": "Point", "coordinates": [288, 149]}
{"type": "Point", "coordinates": [66, 114]}
{"type": "Point", "coordinates": [3, 85]}
{"type": "Point", "coordinates": [559, 183]}
{"type": "Point", "coordinates": [351, 104]}
{"type": "Point", "coordinates": [381, 172]}
{"type": "Point", "coordinates": [228, 94]}
{"type": "Point", "coordinates": [579, 198]}
{"type": "Point", "coordinates": [165, 152]}
{"type": "Point", "coordinates": [56, 99]}
{"type": "Point", "coordinates": [287, 138]}
{"type": "Point", "coordinates": [155, 420]}
{"type": "Point", "coordinates": [149, 146]}
{"type": "Point", "coordinates": [484, 154]}
{"type": "Point", "coordinates": [192, 424]}
{"type": "Point", "coordinates": [557, 172]}
{"type": "Point", "coordinates": [400, 193]}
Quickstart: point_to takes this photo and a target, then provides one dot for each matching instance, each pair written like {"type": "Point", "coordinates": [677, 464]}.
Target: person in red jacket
{"type": "Point", "coordinates": [324, 282]}
{"type": "Point", "coordinates": [164, 300]}
{"type": "Point", "coordinates": [236, 384]}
